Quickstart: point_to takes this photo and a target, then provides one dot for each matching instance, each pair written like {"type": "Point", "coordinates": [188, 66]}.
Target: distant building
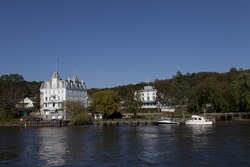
{"type": "Point", "coordinates": [26, 103]}
{"type": "Point", "coordinates": [54, 94]}
{"type": "Point", "coordinates": [167, 109]}
{"type": "Point", "coordinates": [148, 97]}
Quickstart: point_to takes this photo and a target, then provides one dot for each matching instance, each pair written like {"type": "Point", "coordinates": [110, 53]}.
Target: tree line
{"type": "Point", "coordinates": [213, 91]}
{"type": "Point", "coordinates": [216, 92]}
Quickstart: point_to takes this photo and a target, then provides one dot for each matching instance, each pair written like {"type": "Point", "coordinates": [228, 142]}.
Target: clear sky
{"type": "Point", "coordinates": [117, 42]}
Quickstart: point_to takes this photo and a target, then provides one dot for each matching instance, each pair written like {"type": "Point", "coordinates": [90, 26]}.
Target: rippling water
{"type": "Point", "coordinates": [223, 144]}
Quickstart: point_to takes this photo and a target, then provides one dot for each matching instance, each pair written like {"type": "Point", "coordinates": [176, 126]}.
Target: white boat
{"type": "Point", "coordinates": [166, 121]}
{"type": "Point", "coordinates": [198, 120]}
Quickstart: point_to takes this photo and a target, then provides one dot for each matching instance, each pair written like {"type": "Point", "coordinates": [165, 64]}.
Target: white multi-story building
{"type": "Point", "coordinates": [148, 97]}
{"type": "Point", "coordinates": [54, 94]}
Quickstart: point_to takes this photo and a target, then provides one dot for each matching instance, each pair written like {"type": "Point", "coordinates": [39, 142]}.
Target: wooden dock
{"type": "Point", "coordinates": [124, 122]}
{"type": "Point", "coordinates": [43, 124]}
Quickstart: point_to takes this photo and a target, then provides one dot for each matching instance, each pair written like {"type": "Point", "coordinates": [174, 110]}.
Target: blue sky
{"type": "Point", "coordinates": [117, 42]}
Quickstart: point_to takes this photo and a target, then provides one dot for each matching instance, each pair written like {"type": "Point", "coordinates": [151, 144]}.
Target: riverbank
{"type": "Point", "coordinates": [144, 119]}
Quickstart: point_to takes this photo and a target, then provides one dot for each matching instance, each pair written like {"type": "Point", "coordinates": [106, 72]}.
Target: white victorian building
{"type": "Point", "coordinates": [148, 97]}
{"type": "Point", "coordinates": [54, 94]}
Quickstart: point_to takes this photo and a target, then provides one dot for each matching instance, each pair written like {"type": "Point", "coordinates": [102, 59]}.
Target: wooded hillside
{"type": "Point", "coordinates": [217, 92]}
{"type": "Point", "coordinates": [13, 88]}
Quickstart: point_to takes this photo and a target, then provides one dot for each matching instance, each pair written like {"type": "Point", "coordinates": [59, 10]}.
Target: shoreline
{"type": "Point", "coordinates": [102, 123]}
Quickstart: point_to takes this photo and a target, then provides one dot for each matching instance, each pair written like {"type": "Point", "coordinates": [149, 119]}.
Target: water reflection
{"type": "Point", "coordinates": [52, 146]}
{"type": "Point", "coordinates": [200, 129]}
{"type": "Point", "coordinates": [200, 135]}
{"type": "Point", "coordinates": [149, 141]}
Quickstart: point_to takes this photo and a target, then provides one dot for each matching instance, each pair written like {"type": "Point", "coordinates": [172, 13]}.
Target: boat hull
{"type": "Point", "coordinates": [166, 123]}
{"type": "Point", "coordinates": [199, 123]}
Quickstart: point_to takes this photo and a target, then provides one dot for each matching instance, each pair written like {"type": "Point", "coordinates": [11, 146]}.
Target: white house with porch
{"type": "Point", "coordinates": [54, 94]}
{"type": "Point", "coordinates": [27, 103]}
{"type": "Point", "coordinates": [148, 97]}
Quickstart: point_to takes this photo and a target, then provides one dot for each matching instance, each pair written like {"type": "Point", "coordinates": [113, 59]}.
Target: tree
{"type": "Point", "coordinates": [133, 102]}
{"type": "Point", "coordinates": [223, 98]}
{"type": "Point", "coordinates": [74, 108]}
{"type": "Point", "coordinates": [106, 101]}
{"type": "Point", "coordinates": [241, 92]}
{"type": "Point", "coordinates": [178, 74]}
{"type": "Point", "coordinates": [8, 112]}
{"type": "Point", "coordinates": [77, 113]}
{"type": "Point", "coordinates": [203, 94]}
{"type": "Point", "coordinates": [12, 77]}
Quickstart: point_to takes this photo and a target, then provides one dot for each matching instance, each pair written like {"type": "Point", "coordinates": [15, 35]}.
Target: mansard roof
{"type": "Point", "coordinates": [73, 83]}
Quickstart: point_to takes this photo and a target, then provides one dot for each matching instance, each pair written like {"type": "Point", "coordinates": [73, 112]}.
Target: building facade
{"type": "Point", "coordinates": [27, 103]}
{"type": "Point", "coordinates": [148, 97]}
{"type": "Point", "coordinates": [54, 94]}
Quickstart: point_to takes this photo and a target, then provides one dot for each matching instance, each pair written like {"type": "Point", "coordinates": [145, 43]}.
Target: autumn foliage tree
{"type": "Point", "coordinates": [106, 101]}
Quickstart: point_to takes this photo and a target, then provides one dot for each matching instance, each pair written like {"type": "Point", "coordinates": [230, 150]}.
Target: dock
{"type": "Point", "coordinates": [124, 122]}
{"type": "Point", "coordinates": [230, 116]}
{"type": "Point", "coordinates": [43, 124]}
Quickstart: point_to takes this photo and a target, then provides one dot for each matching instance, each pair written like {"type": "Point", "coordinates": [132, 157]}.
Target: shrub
{"type": "Point", "coordinates": [82, 118]}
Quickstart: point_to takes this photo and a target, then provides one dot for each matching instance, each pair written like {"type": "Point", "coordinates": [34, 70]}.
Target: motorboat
{"type": "Point", "coordinates": [198, 120]}
{"type": "Point", "coordinates": [166, 121]}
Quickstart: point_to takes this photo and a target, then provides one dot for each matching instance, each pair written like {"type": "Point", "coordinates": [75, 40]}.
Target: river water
{"type": "Point", "coordinates": [223, 144]}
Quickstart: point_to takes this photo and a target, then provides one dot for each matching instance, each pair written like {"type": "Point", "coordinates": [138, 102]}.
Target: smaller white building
{"type": "Point", "coordinates": [167, 109]}
{"type": "Point", "coordinates": [148, 97]}
{"type": "Point", "coordinates": [26, 103]}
